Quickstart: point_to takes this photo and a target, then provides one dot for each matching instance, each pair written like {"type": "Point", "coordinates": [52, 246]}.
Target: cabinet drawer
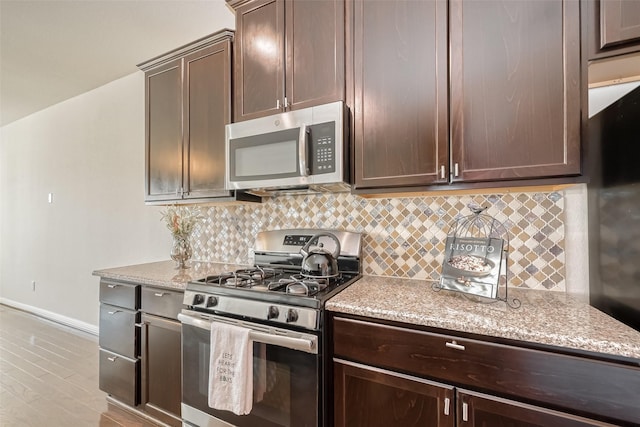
{"type": "Point", "coordinates": [118, 330]}
{"type": "Point", "coordinates": [557, 380]}
{"type": "Point", "coordinates": [120, 294]}
{"type": "Point", "coordinates": [162, 302]}
{"type": "Point", "coordinates": [120, 377]}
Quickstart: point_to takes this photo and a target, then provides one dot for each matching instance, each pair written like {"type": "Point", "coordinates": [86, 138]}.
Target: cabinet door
{"type": "Point", "coordinates": [515, 89]}
{"type": "Point", "coordinates": [163, 121]}
{"type": "Point", "coordinates": [207, 111]}
{"type": "Point", "coordinates": [367, 396]}
{"type": "Point", "coordinates": [400, 92]}
{"type": "Point", "coordinates": [475, 409]}
{"type": "Point", "coordinates": [619, 22]}
{"type": "Point", "coordinates": [161, 364]}
{"type": "Point", "coordinates": [259, 59]}
{"type": "Point", "coordinates": [314, 52]}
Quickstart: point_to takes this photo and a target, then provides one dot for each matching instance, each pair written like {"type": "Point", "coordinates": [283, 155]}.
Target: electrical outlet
{"type": "Point", "coordinates": [33, 285]}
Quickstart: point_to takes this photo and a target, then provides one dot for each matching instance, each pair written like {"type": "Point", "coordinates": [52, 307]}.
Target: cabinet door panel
{"type": "Point", "coordinates": [619, 22]}
{"type": "Point", "coordinates": [314, 52]}
{"type": "Point", "coordinates": [164, 128]}
{"type": "Point", "coordinates": [161, 364]}
{"type": "Point", "coordinates": [366, 396]}
{"type": "Point", "coordinates": [259, 63]}
{"type": "Point", "coordinates": [207, 110]}
{"type": "Point", "coordinates": [475, 409]}
{"type": "Point", "coordinates": [515, 93]}
{"type": "Point", "coordinates": [400, 92]}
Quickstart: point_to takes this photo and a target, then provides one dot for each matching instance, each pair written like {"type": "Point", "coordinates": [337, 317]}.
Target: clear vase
{"type": "Point", "coordinates": [181, 251]}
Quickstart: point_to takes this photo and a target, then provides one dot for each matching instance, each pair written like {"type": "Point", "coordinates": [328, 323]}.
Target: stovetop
{"type": "Point", "coordinates": [273, 290]}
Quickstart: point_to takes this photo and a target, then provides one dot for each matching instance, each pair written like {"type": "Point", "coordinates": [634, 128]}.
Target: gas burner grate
{"type": "Point", "coordinates": [243, 278]}
{"type": "Point", "coordinates": [298, 285]}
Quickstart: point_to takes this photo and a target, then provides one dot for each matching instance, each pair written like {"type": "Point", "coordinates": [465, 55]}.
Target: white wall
{"type": "Point", "coordinates": [89, 152]}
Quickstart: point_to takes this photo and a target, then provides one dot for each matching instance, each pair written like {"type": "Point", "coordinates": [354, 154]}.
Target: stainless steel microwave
{"type": "Point", "coordinates": [301, 150]}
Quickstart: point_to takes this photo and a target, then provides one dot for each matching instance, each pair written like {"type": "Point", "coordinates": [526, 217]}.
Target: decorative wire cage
{"type": "Point", "coordinates": [476, 258]}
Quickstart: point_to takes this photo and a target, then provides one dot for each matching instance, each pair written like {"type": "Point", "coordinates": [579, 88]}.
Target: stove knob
{"type": "Point", "coordinates": [198, 299]}
{"type": "Point", "coordinates": [212, 301]}
{"type": "Point", "coordinates": [292, 315]}
{"type": "Point", "coordinates": [273, 312]}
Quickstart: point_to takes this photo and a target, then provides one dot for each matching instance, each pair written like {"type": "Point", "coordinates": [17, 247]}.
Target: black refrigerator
{"type": "Point", "coordinates": [613, 167]}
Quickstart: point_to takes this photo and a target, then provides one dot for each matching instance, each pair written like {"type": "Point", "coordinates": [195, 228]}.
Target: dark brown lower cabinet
{"type": "Point", "coordinates": [475, 409]}
{"type": "Point", "coordinates": [161, 354]}
{"type": "Point", "coordinates": [395, 374]}
{"type": "Point", "coordinates": [368, 396]}
{"type": "Point", "coordinates": [161, 368]}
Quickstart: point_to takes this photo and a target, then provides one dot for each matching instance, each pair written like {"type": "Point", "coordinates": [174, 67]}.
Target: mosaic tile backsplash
{"type": "Point", "coordinates": [403, 237]}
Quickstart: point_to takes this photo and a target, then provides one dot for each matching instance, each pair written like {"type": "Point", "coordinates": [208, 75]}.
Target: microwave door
{"type": "Point", "coordinates": [266, 159]}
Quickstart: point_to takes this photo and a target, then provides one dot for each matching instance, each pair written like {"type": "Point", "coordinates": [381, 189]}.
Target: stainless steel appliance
{"type": "Point", "coordinates": [284, 312]}
{"type": "Point", "coordinates": [301, 150]}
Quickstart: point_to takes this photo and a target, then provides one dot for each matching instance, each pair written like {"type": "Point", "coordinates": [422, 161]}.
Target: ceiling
{"type": "Point", "coordinates": [53, 50]}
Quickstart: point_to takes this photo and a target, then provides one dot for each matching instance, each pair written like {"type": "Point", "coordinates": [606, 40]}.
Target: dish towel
{"type": "Point", "coordinates": [231, 369]}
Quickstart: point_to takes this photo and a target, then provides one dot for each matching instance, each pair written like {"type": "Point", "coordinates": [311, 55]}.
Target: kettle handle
{"type": "Point", "coordinates": [336, 253]}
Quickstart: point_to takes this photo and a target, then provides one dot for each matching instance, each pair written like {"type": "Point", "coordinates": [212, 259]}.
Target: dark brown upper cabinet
{"type": "Point", "coordinates": [188, 104]}
{"type": "Point", "coordinates": [288, 55]}
{"type": "Point", "coordinates": [613, 27]}
{"type": "Point", "coordinates": [515, 89]}
{"type": "Point", "coordinates": [399, 92]}
{"type": "Point", "coordinates": [463, 91]}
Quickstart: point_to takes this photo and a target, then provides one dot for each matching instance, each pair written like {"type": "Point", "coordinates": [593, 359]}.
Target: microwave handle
{"type": "Point", "coordinates": [303, 150]}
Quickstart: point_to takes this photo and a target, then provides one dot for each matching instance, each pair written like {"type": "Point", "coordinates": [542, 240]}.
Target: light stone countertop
{"type": "Point", "coordinates": [545, 317]}
{"type": "Point", "coordinates": [164, 274]}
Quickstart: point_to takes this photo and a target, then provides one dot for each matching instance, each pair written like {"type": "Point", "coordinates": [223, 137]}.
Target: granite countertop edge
{"type": "Point", "coordinates": [549, 318]}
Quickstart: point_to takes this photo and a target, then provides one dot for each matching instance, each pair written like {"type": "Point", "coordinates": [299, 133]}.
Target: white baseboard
{"type": "Point", "coordinates": [54, 317]}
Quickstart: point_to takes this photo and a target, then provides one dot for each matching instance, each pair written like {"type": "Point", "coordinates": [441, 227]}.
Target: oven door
{"type": "Point", "coordinates": [290, 391]}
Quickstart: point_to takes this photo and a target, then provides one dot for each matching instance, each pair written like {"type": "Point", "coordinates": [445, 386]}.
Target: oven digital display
{"type": "Point", "coordinates": [296, 240]}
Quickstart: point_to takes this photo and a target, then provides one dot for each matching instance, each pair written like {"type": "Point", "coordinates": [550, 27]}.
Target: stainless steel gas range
{"type": "Point", "coordinates": [281, 302]}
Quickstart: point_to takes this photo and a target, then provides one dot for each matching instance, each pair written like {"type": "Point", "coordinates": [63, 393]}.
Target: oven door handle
{"type": "Point", "coordinates": [308, 343]}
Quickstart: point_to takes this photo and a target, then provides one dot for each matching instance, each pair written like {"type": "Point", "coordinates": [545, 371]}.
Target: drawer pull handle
{"type": "Point", "coordinates": [111, 286]}
{"type": "Point", "coordinates": [465, 411]}
{"type": "Point", "coordinates": [159, 294]}
{"type": "Point", "coordinates": [112, 359]}
{"type": "Point", "coordinates": [447, 403]}
{"type": "Point", "coordinates": [114, 312]}
{"type": "Point", "coordinates": [455, 345]}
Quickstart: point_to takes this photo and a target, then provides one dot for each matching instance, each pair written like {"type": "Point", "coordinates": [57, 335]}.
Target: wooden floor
{"type": "Point", "coordinates": [49, 376]}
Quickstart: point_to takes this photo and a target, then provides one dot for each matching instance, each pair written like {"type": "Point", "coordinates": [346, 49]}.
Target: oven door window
{"type": "Point", "coordinates": [265, 156]}
{"type": "Point", "coordinates": [286, 383]}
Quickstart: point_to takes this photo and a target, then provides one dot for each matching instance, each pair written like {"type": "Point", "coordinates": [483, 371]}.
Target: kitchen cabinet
{"type": "Point", "coordinates": [119, 341]}
{"type": "Point", "coordinates": [512, 111]}
{"type": "Point", "coordinates": [188, 104]}
{"type": "Point", "coordinates": [613, 27]}
{"type": "Point", "coordinates": [288, 55]}
{"type": "Point", "coordinates": [368, 396]}
{"type": "Point", "coordinates": [493, 383]}
{"type": "Point", "coordinates": [399, 92]}
{"type": "Point", "coordinates": [161, 354]}
{"type": "Point", "coordinates": [476, 409]}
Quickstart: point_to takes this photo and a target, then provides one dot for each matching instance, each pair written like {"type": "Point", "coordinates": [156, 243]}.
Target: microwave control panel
{"type": "Point", "coordinates": [322, 148]}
